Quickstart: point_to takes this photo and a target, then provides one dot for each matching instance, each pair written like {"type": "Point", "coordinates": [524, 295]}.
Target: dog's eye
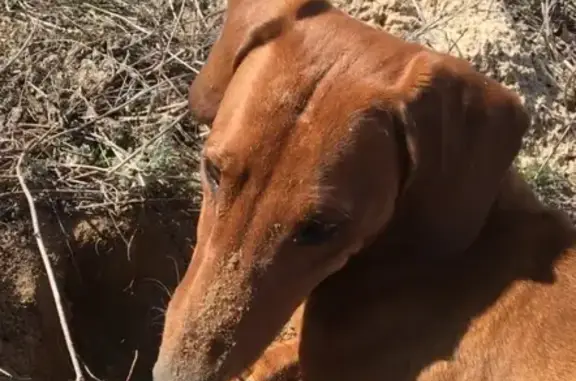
{"type": "Point", "coordinates": [314, 232]}
{"type": "Point", "coordinates": [213, 174]}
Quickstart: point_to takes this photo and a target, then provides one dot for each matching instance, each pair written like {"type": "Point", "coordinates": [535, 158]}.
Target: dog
{"type": "Point", "coordinates": [369, 181]}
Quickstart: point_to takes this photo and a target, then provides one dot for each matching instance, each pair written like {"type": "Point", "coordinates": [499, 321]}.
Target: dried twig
{"type": "Point", "coordinates": [49, 271]}
{"type": "Point", "coordinates": [132, 366]}
{"type": "Point", "coordinates": [147, 144]}
{"type": "Point", "coordinates": [544, 164]}
{"type": "Point", "coordinates": [12, 377]}
{"type": "Point", "coordinates": [21, 50]}
{"type": "Point", "coordinates": [119, 17]}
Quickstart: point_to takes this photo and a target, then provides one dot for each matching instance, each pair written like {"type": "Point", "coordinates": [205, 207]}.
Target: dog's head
{"type": "Point", "coordinates": [324, 130]}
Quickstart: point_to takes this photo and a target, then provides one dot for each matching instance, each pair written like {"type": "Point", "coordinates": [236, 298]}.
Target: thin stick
{"type": "Point", "coordinates": [132, 366]}
{"type": "Point", "coordinates": [148, 143]}
{"type": "Point", "coordinates": [12, 377]}
{"type": "Point", "coordinates": [49, 272]}
{"type": "Point", "coordinates": [547, 160]}
{"type": "Point", "coordinates": [6, 373]}
{"type": "Point", "coordinates": [21, 50]}
{"type": "Point", "coordinates": [119, 17]}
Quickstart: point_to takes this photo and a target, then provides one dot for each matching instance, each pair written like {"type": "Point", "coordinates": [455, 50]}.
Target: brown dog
{"type": "Point", "coordinates": [370, 178]}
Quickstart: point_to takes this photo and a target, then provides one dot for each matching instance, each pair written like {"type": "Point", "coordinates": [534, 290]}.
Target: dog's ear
{"type": "Point", "coordinates": [463, 132]}
{"type": "Point", "coordinates": [248, 24]}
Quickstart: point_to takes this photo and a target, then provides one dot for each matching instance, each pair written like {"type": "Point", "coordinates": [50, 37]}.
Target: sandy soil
{"type": "Point", "coordinates": [101, 90]}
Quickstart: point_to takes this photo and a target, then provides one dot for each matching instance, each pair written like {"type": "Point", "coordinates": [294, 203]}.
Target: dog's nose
{"type": "Point", "coordinates": [161, 372]}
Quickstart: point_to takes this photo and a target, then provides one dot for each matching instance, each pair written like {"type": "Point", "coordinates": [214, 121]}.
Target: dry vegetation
{"type": "Point", "coordinates": [93, 100]}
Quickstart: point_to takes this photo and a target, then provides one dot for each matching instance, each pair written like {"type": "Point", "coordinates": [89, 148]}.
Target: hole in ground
{"type": "Point", "coordinates": [118, 283]}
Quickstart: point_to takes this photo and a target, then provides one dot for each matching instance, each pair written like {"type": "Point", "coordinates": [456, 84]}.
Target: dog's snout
{"type": "Point", "coordinates": [161, 372]}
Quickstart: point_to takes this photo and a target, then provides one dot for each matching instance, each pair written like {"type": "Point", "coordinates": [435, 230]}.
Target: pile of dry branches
{"type": "Point", "coordinates": [96, 91]}
{"type": "Point", "coordinates": [94, 94]}
{"type": "Point", "coordinates": [549, 30]}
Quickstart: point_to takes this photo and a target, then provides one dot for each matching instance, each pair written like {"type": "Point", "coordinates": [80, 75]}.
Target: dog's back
{"type": "Point", "coordinates": [526, 333]}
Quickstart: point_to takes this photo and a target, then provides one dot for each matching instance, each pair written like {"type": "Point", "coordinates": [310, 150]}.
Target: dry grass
{"type": "Point", "coordinates": [99, 88]}
{"type": "Point", "coordinates": [549, 159]}
{"type": "Point", "coordinates": [549, 30]}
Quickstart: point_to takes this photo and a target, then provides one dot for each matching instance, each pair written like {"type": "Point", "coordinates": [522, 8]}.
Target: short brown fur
{"type": "Point", "coordinates": [442, 265]}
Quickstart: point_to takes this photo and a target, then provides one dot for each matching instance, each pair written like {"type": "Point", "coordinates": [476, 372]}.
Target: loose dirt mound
{"type": "Point", "coordinates": [95, 93]}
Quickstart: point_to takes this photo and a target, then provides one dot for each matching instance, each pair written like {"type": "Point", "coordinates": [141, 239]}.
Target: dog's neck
{"type": "Point", "coordinates": [515, 209]}
{"type": "Point", "coordinates": [421, 305]}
